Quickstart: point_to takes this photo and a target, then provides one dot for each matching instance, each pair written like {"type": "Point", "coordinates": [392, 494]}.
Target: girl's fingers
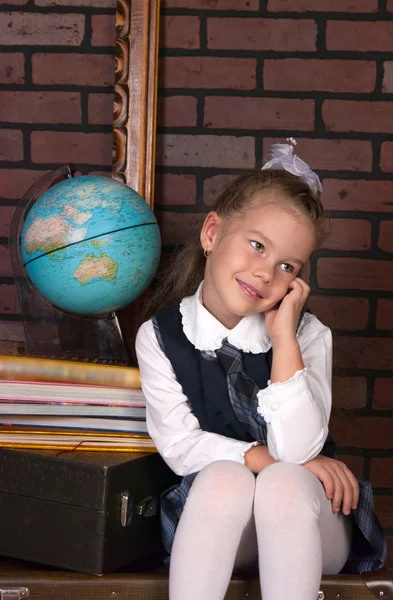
{"type": "Point", "coordinates": [327, 482]}
{"type": "Point", "coordinates": [355, 487]}
{"type": "Point", "coordinates": [347, 491]}
{"type": "Point", "coordinates": [338, 493]}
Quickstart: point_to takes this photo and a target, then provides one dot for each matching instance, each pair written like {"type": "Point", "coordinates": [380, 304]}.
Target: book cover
{"type": "Point", "coordinates": [85, 423]}
{"type": "Point", "coordinates": [43, 369]}
{"type": "Point", "coordinates": [34, 391]}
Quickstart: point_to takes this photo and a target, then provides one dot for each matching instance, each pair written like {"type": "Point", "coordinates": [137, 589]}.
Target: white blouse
{"type": "Point", "coordinates": [296, 411]}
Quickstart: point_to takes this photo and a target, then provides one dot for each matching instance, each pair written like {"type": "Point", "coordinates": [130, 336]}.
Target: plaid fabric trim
{"type": "Point", "coordinates": [242, 391]}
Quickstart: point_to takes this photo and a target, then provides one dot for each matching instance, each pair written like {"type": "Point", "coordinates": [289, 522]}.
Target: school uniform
{"type": "Point", "coordinates": [191, 418]}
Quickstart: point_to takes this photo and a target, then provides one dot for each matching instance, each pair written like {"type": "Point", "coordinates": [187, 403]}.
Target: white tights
{"type": "Point", "coordinates": [281, 518]}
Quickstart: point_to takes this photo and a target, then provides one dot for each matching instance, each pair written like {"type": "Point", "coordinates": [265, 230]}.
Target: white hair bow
{"type": "Point", "coordinates": [282, 157]}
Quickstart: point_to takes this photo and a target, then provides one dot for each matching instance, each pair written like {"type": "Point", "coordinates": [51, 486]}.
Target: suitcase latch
{"type": "Point", "coordinates": [125, 509]}
{"type": "Point", "coordinates": [14, 593]}
{"type": "Point", "coordinates": [148, 507]}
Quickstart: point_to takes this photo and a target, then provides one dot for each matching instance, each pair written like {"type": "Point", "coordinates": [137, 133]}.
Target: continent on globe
{"type": "Point", "coordinates": [77, 216]}
{"type": "Point", "coordinates": [51, 234]}
{"type": "Point", "coordinates": [92, 267]}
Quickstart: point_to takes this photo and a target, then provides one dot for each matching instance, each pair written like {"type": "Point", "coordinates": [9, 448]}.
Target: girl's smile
{"type": "Point", "coordinates": [254, 258]}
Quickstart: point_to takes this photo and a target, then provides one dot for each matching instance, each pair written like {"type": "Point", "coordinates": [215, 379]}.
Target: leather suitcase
{"type": "Point", "coordinates": [149, 581]}
{"type": "Point", "coordinates": [85, 511]}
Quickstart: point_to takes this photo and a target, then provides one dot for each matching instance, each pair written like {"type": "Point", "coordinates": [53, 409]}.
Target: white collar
{"type": "Point", "coordinates": [206, 333]}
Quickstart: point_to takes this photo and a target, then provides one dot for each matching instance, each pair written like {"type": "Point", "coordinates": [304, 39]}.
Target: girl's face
{"type": "Point", "coordinates": [254, 258]}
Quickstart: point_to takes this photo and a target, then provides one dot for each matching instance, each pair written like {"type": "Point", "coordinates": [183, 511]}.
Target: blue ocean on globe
{"type": "Point", "coordinates": [90, 245]}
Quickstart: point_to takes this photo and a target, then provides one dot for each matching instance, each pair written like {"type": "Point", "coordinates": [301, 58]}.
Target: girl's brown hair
{"type": "Point", "coordinates": [186, 268]}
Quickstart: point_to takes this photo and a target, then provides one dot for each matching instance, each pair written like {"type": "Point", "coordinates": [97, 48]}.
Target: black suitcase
{"type": "Point", "coordinates": [85, 511]}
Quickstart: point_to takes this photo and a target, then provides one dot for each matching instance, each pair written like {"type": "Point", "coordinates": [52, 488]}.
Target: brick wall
{"type": "Point", "coordinates": [235, 75]}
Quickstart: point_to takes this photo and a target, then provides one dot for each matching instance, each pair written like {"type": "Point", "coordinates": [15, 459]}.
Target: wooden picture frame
{"type": "Point", "coordinates": [135, 107]}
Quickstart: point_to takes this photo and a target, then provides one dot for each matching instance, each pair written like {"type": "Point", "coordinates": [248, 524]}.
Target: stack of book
{"type": "Point", "coordinates": [64, 405]}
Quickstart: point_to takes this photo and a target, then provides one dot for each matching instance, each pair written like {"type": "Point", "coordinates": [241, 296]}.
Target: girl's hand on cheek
{"type": "Point", "coordinates": [281, 321]}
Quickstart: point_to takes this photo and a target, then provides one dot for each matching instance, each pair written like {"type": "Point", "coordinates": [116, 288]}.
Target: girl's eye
{"type": "Point", "coordinates": [257, 246]}
{"type": "Point", "coordinates": [286, 267]}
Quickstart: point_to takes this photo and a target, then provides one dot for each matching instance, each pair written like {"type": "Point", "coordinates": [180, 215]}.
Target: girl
{"type": "Point", "coordinates": [237, 379]}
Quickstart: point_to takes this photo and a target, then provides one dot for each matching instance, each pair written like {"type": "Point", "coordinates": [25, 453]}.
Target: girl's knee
{"type": "Point", "coordinates": [226, 475]}
{"type": "Point", "coordinates": [286, 488]}
{"type": "Point", "coordinates": [226, 487]}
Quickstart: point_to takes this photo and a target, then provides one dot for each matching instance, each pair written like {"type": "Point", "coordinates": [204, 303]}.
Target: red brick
{"type": "Point", "coordinates": [73, 69]}
{"type": "Point", "coordinates": [259, 113]}
{"type": "Point", "coordinates": [214, 186]}
{"type": "Point", "coordinates": [93, 3]}
{"type": "Point", "coordinates": [101, 109]}
{"type": "Point", "coordinates": [358, 195]}
{"type": "Point", "coordinates": [9, 302]}
{"type": "Point", "coordinates": [171, 189]}
{"type": "Point", "coordinates": [222, 151]}
{"type": "Point", "coordinates": [355, 274]}
{"type": "Point", "coordinates": [207, 72]}
{"type": "Point", "coordinates": [387, 157]}
{"type": "Point", "coordinates": [382, 395]}
{"type": "Point", "coordinates": [176, 228]}
{"type": "Point", "coordinates": [363, 353]}
{"type": "Point", "coordinates": [40, 107]}
{"type": "Point", "coordinates": [385, 238]}
{"type": "Point", "coordinates": [349, 115]}
{"type": "Point", "coordinates": [309, 75]}
{"type": "Point", "coordinates": [26, 29]}
{"type": "Point", "coordinates": [363, 36]}
{"type": "Point", "coordinates": [381, 472]}
{"type": "Point", "coordinates": [340, 313]}
{"type": "Point", "coordinates": [354, 463]}
{"type": "Point", "coordinates": [177, 111]}
{"type": "Point", "coordinates": [331, 155]}
{"type": "Point", "coordinates": [280, 35]}
{"type": "Point", "coordinates": [6, 214]}
{"type": "Point", "coordinates": [387, 85]}
{"type": "Point", "coordinates": [14, 183]}
{"type": "Point", "coordinates": [349, 392]}
{"type": "Point", "coordinates": [384, 509]}
{"type": "Point", "coordinates": [12, 331]}
{"type": "Point", "coordinates": [103, 30]}
{"type": "Point", "coordinates": [389, 5]}
{"type": "Point", "coordinates": [384, 319]}
{"type": "Point", "coordinates": [357, 6]}
{"type": "Point", "coordinates": [212, 4]}
{"type": "Point", "coordinates": [180, 32]}
{"type": "Point", "coordinates": [5, 263]}
{"type": "Point", "coordinates": [349, 234]}
{"type": "Point", "coordinates": [63, 147]}
{"type": "Point", "coordinates": [12, 67]}
{"type": "Point", "coordinates": [11, 145]}
{"type": "Point", "coordinates": [362, 432]}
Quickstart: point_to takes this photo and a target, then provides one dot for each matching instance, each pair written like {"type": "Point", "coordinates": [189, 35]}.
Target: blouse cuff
{"type": "Point", "coordinates": [235, 451]}
{"type": "Point", "coordinates": [279, 400]}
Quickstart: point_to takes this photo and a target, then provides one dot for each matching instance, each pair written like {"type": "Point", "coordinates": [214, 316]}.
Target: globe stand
{"type": "Point", "coordinates": [51, 332]}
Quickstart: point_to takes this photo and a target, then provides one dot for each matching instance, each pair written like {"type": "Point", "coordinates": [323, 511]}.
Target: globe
{"type": "Point", "coordinates": [90, 245]}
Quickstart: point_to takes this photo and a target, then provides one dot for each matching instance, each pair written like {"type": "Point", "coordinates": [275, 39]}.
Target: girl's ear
{"type": "Point", "coordinates": [209, 230]}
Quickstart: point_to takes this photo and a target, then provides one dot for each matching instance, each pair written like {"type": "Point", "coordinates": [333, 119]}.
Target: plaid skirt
{"type": "Point", "coordinates": [369, 547]}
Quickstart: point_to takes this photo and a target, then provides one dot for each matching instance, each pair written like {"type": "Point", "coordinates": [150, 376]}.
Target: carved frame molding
{"type": "Point", "coordinates": [135, 98]}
